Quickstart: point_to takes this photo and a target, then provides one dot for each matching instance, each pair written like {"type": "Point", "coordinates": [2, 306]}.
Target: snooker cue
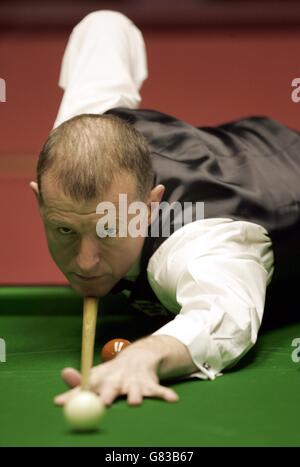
{"type": "Point", "coordinates": [90, 308]}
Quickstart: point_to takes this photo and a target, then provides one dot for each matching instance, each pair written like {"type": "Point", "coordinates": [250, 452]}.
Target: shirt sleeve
{"type": "Point", "coordinates": [213, 275]}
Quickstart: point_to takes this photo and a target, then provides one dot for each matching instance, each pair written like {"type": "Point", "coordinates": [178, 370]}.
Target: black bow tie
{"type": "Point", "coordinates": [123, 284]}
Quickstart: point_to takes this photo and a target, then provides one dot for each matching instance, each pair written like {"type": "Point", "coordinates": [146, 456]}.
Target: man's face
{"type": "Point", "coordinates": [92, 265]}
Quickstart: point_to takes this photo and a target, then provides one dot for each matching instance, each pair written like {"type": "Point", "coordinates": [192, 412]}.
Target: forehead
{"type": "Point", "coordinates": [55, 201]}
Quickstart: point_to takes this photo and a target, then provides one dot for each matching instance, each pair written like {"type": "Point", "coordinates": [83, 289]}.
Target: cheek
{"type": "Point", "coordinates": [131, 250]}
{"type": "Point", "coordinates": [60, 252]}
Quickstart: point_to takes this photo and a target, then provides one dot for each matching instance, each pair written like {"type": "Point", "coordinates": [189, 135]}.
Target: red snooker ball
{"type": "Point", "coordinates": [113, 348]}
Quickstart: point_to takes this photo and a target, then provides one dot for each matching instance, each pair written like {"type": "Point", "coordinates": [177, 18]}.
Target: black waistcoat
{"type": "Point", "coordinates": [248, 169]}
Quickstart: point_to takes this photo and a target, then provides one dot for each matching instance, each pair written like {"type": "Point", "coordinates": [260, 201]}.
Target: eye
{"type": "Point", "coordinates": [105, 231]}
{"type": "Point", "coordinates": [111, 231]}
{"type": "Point", "coordinates": [64, 230]}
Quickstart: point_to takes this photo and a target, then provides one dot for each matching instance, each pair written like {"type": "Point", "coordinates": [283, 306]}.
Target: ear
{"type": "Point", "coordinates": [155, 197]}
{"type": "Point", "coordinates": [34, 187]}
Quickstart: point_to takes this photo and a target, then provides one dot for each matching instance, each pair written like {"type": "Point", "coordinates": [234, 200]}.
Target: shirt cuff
{"type": "Point", "coordinates": [183, 328]}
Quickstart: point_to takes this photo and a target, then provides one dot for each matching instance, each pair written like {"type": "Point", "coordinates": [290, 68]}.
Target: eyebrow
{"type": "Point", "coordinates": [62, 221]}
{"type": "Point", "coordinates": [55, 220]}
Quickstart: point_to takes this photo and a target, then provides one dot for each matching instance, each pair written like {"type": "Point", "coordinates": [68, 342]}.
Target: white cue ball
{"type": "Point", "coordinates": [84, 411]}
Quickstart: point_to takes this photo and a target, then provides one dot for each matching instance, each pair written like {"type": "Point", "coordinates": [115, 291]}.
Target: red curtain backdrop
{"type": "Point", "coordinates": [203, 75]}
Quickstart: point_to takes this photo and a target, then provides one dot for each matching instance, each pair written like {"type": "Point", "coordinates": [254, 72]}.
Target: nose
{"type": "Point", "coordinates": [88, 257]}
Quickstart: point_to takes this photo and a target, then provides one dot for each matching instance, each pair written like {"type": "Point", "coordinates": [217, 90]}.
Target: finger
{"type": "Point", "coordinates": [62, 399]}
{"type": "Point", "coordinates": [163, 393]}
{"type": "Point", "coordinates": [134, 396]}
{"type": "Point", "coordinates": [109, 394]}
{"type": "Point", "coordinates": [71, 377]}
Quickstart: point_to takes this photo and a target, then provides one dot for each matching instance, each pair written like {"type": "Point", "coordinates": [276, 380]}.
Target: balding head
{"type": "Point", "coordinates": [84, 154]}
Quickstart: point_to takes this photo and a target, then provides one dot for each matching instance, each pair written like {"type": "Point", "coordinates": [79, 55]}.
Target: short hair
{"type": "Point", "coordinates": [84, 153]}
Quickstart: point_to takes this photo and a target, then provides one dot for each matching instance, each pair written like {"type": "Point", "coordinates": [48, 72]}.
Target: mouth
{"type": "Point", "coordinates": [86, 278]}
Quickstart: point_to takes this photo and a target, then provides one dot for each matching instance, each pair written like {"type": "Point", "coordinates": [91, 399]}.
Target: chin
{"type": "Point", "coordinates": [92, 290]}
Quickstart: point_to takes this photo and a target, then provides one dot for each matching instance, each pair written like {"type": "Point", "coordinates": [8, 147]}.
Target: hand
{"type": "Point", "coordinates": [133, 373]}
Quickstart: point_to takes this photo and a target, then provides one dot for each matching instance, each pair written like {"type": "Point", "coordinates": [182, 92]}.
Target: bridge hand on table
{"type": "Point", "coordinates": [133, 373]}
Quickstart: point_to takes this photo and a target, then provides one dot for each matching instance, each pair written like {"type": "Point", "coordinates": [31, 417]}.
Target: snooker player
{"type": "Point", "coordinates": [210, 274]}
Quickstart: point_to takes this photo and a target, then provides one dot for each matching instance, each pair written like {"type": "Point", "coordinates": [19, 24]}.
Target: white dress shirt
{"type": "Point", "coordinates": [212, 273]}
{"type": "Point", "coordinates": [104, 66]}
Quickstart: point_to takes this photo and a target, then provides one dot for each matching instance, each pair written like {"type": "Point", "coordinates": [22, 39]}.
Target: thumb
{"type": "Point", "coordinates": [71, 377]}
